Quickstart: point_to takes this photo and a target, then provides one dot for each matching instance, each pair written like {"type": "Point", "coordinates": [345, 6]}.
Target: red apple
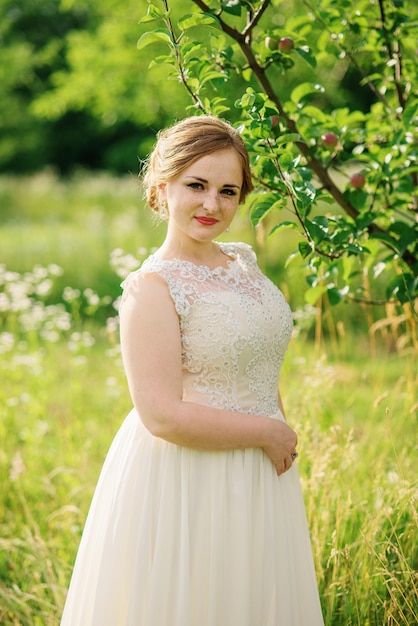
{"type": "Point", "coordinates": [275, 120]}
{"type": "Point", "coordinates": [271, 43]}
{"type": "Point", "coordinates": [357, 180]}
{"type": "Point", "coordinates": [286, 44]}
{"type": "Point", "coordinates": [329, 140]}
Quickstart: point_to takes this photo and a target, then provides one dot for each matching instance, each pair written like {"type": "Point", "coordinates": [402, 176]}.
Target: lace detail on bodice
{"type": "Point", "coordinates": [235, 328]}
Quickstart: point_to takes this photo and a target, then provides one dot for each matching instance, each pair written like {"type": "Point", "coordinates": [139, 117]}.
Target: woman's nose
{"type": "Point", "coordinates": [211, 201]}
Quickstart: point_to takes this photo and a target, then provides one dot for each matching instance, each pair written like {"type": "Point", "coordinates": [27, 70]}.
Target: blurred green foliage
{"type": "Point", "coordinates": [75, 90]}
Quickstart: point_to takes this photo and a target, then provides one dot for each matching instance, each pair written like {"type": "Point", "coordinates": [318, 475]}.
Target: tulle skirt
{"type": "Point", "coordinates": [181, 537]}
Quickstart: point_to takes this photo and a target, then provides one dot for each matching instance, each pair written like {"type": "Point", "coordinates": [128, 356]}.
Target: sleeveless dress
{"type": "Point", "coordinates": [184, 537]}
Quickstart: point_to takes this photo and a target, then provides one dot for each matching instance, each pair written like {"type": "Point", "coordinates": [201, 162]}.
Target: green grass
{"type": "Point", "coordinates": [74, 223]}
{"type": "Point", "coordinates": [355, 421]}
{"type": "Point", "coordinates": [351, 398]}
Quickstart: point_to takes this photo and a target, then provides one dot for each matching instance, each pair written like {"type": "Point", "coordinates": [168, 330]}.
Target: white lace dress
{"type": "Point", "coordinates": [181, 537]}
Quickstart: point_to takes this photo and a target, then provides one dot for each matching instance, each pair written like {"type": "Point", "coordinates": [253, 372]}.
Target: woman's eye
{"type": "Point", "coordinates": [195, 185]}
{"type": "Point", "coordinates": [229, 192]}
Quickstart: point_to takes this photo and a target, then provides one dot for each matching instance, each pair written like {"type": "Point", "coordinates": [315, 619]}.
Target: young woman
{"type": "Point", "coordinates": [198, 517]}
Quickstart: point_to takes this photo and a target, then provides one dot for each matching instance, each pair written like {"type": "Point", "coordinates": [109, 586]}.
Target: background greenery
{"type": "Point", "coordinates": [78, 96]}
{"type": "Point", "coordinates": [75, 90]}
{"type": "Point", "coordinates": [89, 85]}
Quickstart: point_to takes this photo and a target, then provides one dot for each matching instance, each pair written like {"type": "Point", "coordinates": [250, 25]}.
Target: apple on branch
{"type": "Point", "coordinates": [329, 140]}
{"type": "Point", "coordinates": [286, 44]}
{"type": "Point", "coordinates": [357, 180]}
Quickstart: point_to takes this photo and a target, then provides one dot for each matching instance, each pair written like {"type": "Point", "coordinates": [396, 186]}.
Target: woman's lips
{"type": "Point", "coordinates": [206, 221]}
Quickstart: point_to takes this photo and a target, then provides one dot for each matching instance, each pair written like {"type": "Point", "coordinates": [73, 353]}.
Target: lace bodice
{"type": "Point", "coordinates": [235, 328]}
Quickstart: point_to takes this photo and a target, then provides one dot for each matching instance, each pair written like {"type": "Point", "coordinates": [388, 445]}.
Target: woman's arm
{"type": "Point", "coordinates": [151, 351]}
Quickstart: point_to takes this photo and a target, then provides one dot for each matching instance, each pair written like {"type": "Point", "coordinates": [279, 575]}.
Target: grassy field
{"type": "Point", "coordinates": [351, 397]}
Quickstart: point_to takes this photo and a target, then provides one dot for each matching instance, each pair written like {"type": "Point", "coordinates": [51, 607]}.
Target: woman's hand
{"type": "Point", "coordinates": [281, 445]}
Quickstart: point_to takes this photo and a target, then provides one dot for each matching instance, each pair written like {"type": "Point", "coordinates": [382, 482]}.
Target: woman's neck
{"type": "Point", "coordinates": [201, 253]}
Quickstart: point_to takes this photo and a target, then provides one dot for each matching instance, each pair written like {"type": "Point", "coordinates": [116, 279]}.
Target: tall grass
{"type": "Point", "coordinates": [356, 463]}
{"type": "Point", "coordinates": [351, 398]}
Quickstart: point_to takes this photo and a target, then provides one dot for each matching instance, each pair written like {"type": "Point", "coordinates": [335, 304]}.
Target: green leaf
{"type": "Point", "coordinates": [286, 162]}
{"type": "Point", "coordinates": [358, 198]}
{"type": "Point", "coordinates": [316, 114]}
{"type": "Point", "coordinates": [217, 106]}
{"type": "Point", "coordinates": [262, 205]}
{"type": "Point", "coordinates": [164, 59]}
{"type": "Point", "coordinates": [295, 23]}
{"type": "Point", "coordinates": [322, 221]}
{"type": "Point", "coordinates": [343, 117]}
{"type": "Point", "coordinates": [407, 234]}
{"type": "Point", "coordinates": [306, 55]}
{"type": "Point", "coordinates": [365, 219]}
{"type": "Point", "coordinates": [317, 232]}
{"type": "Point", "coordinates": [305, 249]}
{"type": "Point", "coordinates": [403, 287]}
{"type": "Point", "coordinates": [393, 288]}
{"type": "Point", "coordinates": [283, 226]}
{"type": "Point", "coordinates": [207, 74]}
{"type": "Point", "coordinates": [305, 195]}
{"type": "Point", "coordinates": [410, 112]}
{"type": "Point", "coordinates": [287, 138]}
{"type": "Point", "coordinates": [154, 36]}
{"type": "Point", "coordinates": [306, 175]}
{"type": "Point", "coordinates": [334, 295]}
{"type": "Point", "coordinates": [232, 6]}
{"type": "Point", "coordinates": [303, 90]}
{"type": "Point", "coordinates": [198, 19]}
{"type": "Point", "coordinates": [247, 99]}
{"type": "Point", "coordinates": [294, 255]}
{"type": "Point", "coordinates": [355, 249]}
{"type": "Point", "coordinates": [153, 14]}
{"type": "Point", "coordinates": [386, 238]}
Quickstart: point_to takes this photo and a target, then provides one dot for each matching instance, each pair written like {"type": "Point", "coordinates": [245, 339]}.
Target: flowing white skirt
{"type": "Point", "coordinates": [180, 537]}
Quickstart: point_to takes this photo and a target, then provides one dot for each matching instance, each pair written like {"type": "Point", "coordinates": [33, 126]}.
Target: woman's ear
{"type": "Point", "coordinates": [162, 191]}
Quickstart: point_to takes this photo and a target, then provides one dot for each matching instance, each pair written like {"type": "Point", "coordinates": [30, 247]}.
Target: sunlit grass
{"type": "Point", "coordinates": [357, 421]}
{"type": "Point", "coordinates": [357, 448]}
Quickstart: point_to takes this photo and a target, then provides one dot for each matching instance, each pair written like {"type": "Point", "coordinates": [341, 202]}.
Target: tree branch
{"type": "Point", "coordinates": [352, 58]}
{"type": "Point", "coordinates": [182, 73]}
{"type": "Point", "coordinates": [229, 30]}
{"type": "Point", "coordinates": [255, 18]}
{"type": "Point", "coordinates": [395, 54]}
{"type": "Point", "coordinates": [312, 162]}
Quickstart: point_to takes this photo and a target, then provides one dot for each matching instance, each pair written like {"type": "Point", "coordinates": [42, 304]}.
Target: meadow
{"type": "Point", "coordinates": [349, 384]}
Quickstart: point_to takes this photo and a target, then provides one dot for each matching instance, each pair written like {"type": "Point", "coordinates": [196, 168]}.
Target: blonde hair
{"type": "Point", "coordinates": [187, 141]}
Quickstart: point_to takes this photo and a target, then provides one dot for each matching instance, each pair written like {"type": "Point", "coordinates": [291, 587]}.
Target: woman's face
{"type": "Point", "coordinates": [203, 199]}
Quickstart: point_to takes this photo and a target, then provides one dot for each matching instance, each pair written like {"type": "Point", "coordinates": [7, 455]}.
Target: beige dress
{"type": "Point", "coordinates": [182, 537]}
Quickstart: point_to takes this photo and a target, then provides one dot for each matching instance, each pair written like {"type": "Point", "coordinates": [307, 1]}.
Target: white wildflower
{"type": "Point", "coordinates": [17, 468]}
{"type": "Point", "coordinates": [44, 287]}
{"type": "Point", "coordinates": [69, 294]}
{"type": "Point", "coordinates": [6, 342]}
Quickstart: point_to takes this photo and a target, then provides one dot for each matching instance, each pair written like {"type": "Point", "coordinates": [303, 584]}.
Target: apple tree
{"type": "Point", "coordinates": [342, 175]}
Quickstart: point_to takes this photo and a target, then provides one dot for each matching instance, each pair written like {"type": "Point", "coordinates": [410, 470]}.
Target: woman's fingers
{"type": "Point", "coordinates": [284, 465]}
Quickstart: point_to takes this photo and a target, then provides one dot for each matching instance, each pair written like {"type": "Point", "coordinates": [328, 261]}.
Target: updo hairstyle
{"type": "Point", "coordinates": [187, 141]}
